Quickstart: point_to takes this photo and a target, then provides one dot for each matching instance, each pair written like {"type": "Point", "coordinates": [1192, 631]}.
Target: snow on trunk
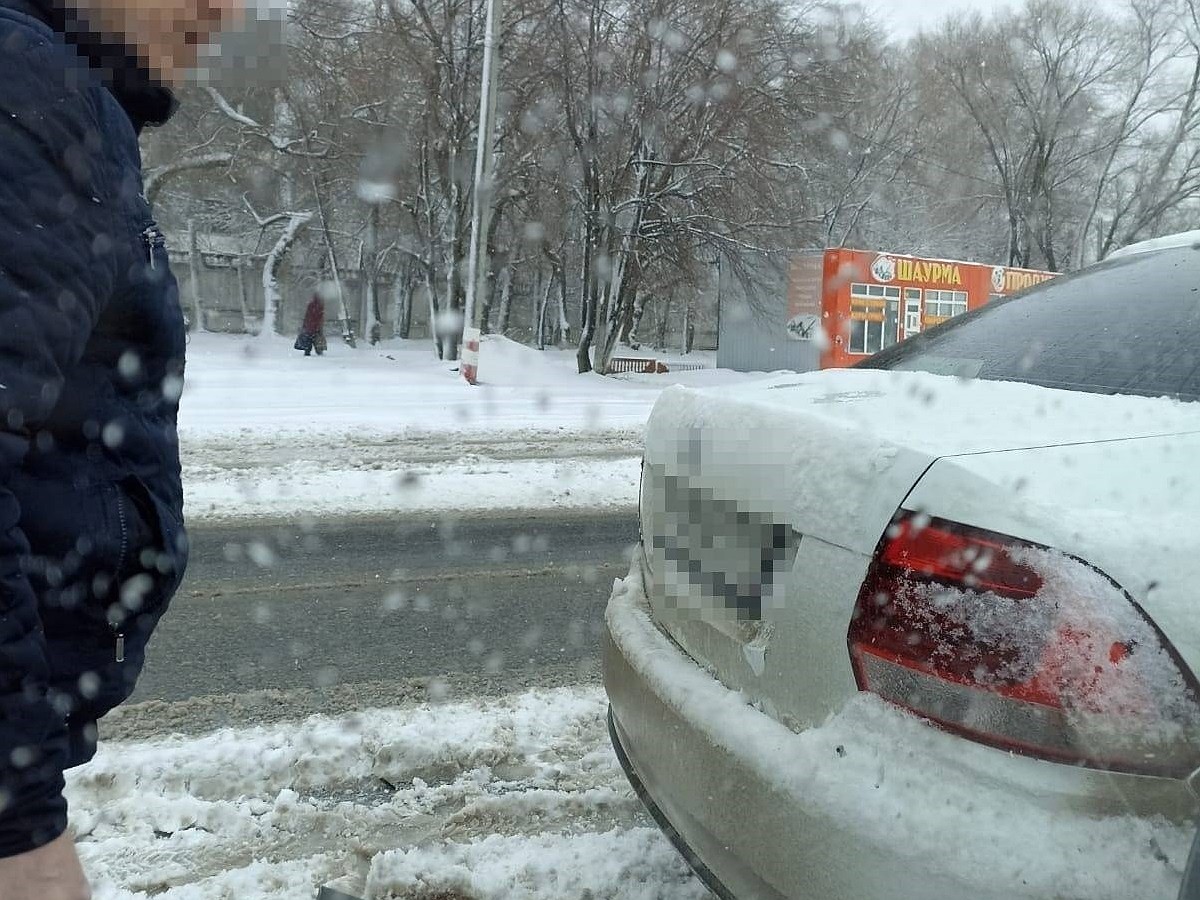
{"type": "Point", "coordinates": [543, 305]}
{"type": "Point", "coordinates": [432, 297]}
{"type": "Point", "coordinates": [331, 249]}
{"type": "Point", "coordinates": [272, 296]}
{"type": "Point", "coordinates": [156, 178]}
{"type": "Point", "coordinates": [639, 311]}
{"type": "Point", "coordinates": [446, 337]}
{"type": "Point", "coordinates": [616, 304]}
{"type": "Point", "coordinates": [369, 268]}
{"type": "Point", "coordinates": [564, 324]}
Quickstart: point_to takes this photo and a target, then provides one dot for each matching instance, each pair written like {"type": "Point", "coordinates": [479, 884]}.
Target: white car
{"type": "Point", "coordinates": [929, 629]}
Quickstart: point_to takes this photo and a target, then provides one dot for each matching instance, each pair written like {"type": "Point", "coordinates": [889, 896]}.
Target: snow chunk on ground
{"type": "Point", "coordinates": [274, 812]}
{"type": "Point", "coordinates": [633, 864]}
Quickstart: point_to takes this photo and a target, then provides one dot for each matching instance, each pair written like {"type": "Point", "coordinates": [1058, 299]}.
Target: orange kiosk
{"type": "Point", "coordinates": [858, 302]}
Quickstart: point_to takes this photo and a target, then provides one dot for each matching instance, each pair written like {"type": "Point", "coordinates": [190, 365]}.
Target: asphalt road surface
{"type": "Point", "coordinates": [279, 609]}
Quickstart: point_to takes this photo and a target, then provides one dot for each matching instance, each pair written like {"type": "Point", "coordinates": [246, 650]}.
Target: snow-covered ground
{"type": "Point", "coordinates": [267, 431]}
{"type": "Point", "coordinates": [516, 799]}
{"type": "Point", "coordinates": [520, 797]}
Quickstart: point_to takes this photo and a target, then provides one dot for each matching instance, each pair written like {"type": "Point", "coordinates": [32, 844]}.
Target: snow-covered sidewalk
{"type": "Point", "coordinates": [519, 798]}
{"type": "Point", "coordinates": [266, 431]}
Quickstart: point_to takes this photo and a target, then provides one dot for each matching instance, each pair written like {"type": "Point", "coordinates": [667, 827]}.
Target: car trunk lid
{"type": "Point", "coordinates": [833, 454]}
{"type": "Point", "coordinates": [753, 494]}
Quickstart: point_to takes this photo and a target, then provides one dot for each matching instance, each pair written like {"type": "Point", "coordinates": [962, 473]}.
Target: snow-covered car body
{"type": "Point", "coordinates": [901, 634]}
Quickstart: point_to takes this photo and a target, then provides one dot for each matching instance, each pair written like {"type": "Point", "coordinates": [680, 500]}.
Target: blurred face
{"type": "Point", "coordinates": [167, 34]}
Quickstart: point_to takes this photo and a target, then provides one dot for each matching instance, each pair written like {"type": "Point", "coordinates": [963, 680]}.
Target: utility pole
{"type": "Point", "coordinates": [485, 163]}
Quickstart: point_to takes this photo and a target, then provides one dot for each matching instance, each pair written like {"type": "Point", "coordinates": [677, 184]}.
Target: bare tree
{"type": "Point", "coordinates": [293, 222]}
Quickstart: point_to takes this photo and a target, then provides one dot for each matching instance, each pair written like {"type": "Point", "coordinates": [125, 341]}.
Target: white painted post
{"type": "Point", "coordinates": [477, 268]}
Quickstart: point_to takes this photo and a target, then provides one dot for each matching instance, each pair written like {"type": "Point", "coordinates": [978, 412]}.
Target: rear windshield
{"type": "Point", "coordinates": [1128, 327]}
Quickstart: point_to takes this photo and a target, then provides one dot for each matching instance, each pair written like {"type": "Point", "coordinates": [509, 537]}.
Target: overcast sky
{"type": "Point", "coordinates": [907, 17]}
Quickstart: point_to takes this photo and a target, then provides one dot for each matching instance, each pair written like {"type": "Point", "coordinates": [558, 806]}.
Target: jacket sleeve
{"type": "Point", "coordinates": [57, 229]}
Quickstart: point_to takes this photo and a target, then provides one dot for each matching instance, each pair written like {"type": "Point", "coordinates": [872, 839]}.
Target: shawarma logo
{"type": "Point", "coordinates": [929, 271]}
{"type": "Point", "coordinates": [883, 269]}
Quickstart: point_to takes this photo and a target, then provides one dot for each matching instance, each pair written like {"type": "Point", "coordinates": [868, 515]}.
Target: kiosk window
{"type": "Point", "coordinates": [874, 317]}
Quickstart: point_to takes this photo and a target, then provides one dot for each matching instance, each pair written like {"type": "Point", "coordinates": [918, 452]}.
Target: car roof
{"type": "Point", "coordinates": [1167, 242]}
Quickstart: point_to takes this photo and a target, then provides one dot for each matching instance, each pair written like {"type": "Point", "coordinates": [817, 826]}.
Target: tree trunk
{"type": "Point", "coordinates": [398, 284]}
{"type": "Point", "coordinates": [635, 322]}
{"type": "Point", "coordinates": [433, 247]}
{"type": "Point", "coordinates": [686, 337]}
{"type": "Point", "coordinates": [402, 291]}
{"type": "Point", "coordinates": [243, 294]}
{"type": "Point", "coordinates": [589, 298]}
{"type": "Point", "coordinates": [618, 309]}
{"type": "Point", "coordinates": [369, 324]}
{"type": "Point", "coordinates": [272, 297]}
{"type": "Point", "coordinates": [538, 316]}
{"type": "Point", "coordinates": [544, 307]}
{"type": "Point", "coordinates": [664, 323]}
{"type": "Point", "coordinates": [487, 298]}
{"type": "Point", "coordinates": [620, 319]}
{"type": "Point", "coordinates": [563, 335]}
{"type": "Point", "coordinates": [406, 312]}
{"type": "Point", "coordinates": [198, 323]}
{"type": "Point", "coordinates": [506, 280]}
{"type": "Point", "coordinates": [449, 333]}
{"type": "Point", "coordinates": [485, 301]}
{"type": "Point", "coordinates": [343, 312]}
{"type": "Point", "coordinates": [434, 312]}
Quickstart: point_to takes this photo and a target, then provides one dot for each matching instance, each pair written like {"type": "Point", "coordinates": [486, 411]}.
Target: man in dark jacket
{"type": "Point", "coordinates": [91, 367]}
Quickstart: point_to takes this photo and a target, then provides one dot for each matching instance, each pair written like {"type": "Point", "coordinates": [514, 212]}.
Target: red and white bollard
{"type": "Point", "coordinates": [468, 364]}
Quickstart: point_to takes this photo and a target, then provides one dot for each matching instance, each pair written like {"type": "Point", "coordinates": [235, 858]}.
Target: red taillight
{"type": "Point", "coordinates": [1023, 648]}
{"type": "Point", "coordinates": [958, 557]}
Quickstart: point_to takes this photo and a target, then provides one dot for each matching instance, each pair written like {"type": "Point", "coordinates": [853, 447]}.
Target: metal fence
{"type": "Point", "coordinates": [620, 365]}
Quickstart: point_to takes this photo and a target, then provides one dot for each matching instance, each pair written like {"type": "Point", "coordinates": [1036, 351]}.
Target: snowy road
{"type": "Point", "coordinates": [275, 607]}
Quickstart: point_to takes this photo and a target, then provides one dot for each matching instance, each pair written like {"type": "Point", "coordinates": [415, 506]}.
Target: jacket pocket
{"type": "Point", "coordinates": [79, 544]}
{"type": "Point", "coordinates": [104, 560]}
{"type": "Point", "coordinates": [156, 554]}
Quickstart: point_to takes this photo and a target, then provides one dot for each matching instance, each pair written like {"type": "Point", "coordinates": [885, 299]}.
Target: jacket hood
{"type": "Point", "coordinates": [145, 100]}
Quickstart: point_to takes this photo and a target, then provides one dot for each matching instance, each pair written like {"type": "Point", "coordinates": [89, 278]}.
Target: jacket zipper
{"type": "Point", "coordinates": [155, 240]}
{"type": "Point", "coordinates": [118, 634]}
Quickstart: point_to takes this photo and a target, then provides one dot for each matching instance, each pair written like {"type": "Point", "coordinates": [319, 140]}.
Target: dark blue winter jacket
{"type": "Point", "coordinates": [91, 367]}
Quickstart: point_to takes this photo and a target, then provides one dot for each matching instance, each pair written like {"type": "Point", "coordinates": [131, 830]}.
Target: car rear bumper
{"type": "Point", "coordinates": [748, 804]}
{"type": "Point", "coordinates": [709, 844]}
{"type": "Point", "coordinates": [744, 839]}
